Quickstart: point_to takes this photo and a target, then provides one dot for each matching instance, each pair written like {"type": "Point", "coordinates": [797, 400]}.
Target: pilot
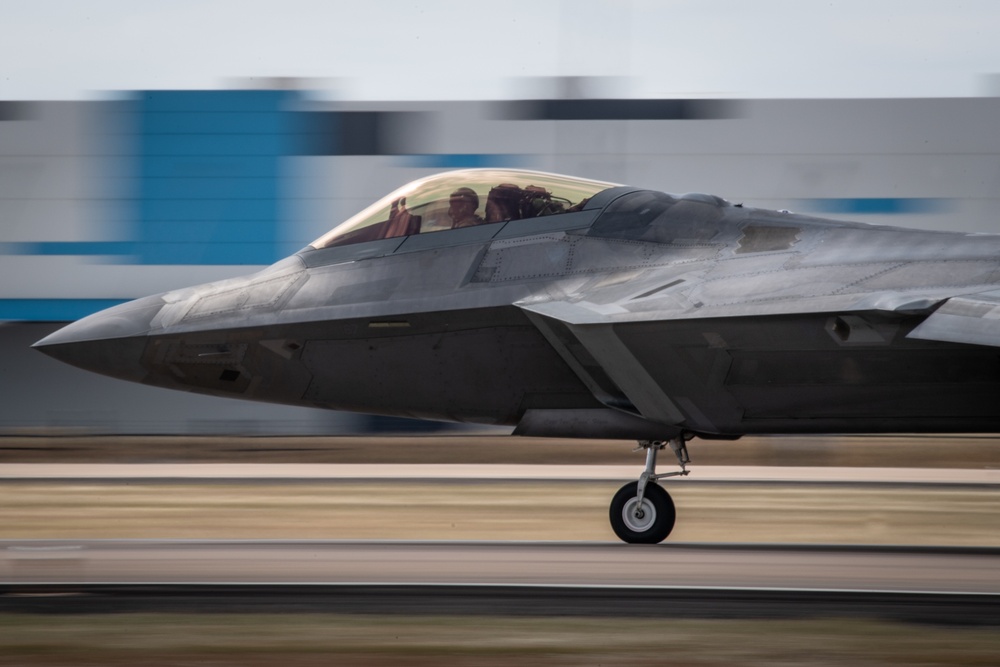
{"type": "Point", "coordinates": [462, 208]}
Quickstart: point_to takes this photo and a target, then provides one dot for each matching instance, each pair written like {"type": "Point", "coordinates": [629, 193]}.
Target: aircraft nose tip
{"type": "Point", "coordinates": [110, 342]}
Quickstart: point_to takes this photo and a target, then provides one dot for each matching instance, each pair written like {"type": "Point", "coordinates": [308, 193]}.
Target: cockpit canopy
{"type": "Point", "coordinates": [463, 199]}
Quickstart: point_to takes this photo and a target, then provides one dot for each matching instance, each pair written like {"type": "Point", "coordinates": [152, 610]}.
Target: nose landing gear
{"type": "Point", "coordinates": [643, 513]}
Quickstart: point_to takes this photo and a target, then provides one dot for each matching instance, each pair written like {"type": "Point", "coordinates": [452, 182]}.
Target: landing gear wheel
{"type": "Point", "coordinates": [649, 523]}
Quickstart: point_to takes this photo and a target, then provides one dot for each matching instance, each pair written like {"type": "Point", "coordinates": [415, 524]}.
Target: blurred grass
{"type": "Point", "coordinates": [515, 510]}
{"type": "Point", "coordinates": [910, 451]}
{"type": "Point", "coordinates": [374, 640]}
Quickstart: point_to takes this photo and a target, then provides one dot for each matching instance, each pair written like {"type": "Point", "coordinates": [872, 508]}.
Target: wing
{"type": "Point", "coordinates": [712, 344]}
{"type": "Point", "coordinates": [971, 318]}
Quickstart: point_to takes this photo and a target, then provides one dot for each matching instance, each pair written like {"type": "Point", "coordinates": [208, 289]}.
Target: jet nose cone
{"type": "Point", "coordinates": [110, 342]}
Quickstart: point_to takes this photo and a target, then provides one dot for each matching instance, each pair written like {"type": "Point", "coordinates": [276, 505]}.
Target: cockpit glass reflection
{"type": "Point", "coordinates": [464, 199]}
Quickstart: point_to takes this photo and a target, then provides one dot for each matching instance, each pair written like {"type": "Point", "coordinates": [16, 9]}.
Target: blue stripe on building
{"type": "Point", "coordinates": [877, 205]}
{"type": "Point", "coordinates": [213, 101]}
{"type": "Point", "coordinates": [52, 310]}
{"type": "Point", "coordinates": [52, 248]}
{"type": "Point", "coordinates": [464, 160]}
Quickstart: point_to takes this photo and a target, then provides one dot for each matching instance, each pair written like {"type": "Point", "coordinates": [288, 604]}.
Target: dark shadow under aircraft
{"type": "Point", "coordinates": [574, 308]}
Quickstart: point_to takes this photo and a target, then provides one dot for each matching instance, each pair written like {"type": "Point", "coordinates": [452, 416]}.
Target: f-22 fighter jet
{"type": "Point", "coordinates": [575, 308]}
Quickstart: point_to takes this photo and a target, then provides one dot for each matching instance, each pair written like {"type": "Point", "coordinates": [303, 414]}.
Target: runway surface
{"type": "Point", "coordinates": [950, 586]}
{"type": "Point", "coordinates": [967, 570]}
{"type": "Point", "coordinates": [474, 568]}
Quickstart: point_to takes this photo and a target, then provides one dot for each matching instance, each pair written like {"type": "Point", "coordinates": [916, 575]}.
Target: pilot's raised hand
{"type": "Point", "coordinates": [394, 210]}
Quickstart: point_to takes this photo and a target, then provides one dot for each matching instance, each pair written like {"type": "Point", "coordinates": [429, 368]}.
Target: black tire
{"type": "Point", "coordinates": [657, 519]}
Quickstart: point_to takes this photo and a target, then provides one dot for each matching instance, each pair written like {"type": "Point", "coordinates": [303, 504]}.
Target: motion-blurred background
{"type": "Point", "coordinates": [144, 147]}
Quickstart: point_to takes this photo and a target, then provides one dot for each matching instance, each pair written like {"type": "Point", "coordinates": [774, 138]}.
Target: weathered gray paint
{"type": "Point", "coordinates": [704, 318]}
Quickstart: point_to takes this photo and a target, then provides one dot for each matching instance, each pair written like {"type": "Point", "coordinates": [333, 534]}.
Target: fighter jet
{"type": "Point", "coordinates": [576, 308]}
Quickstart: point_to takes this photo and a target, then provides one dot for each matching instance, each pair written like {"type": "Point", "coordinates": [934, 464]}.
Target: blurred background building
{"type": "Point", "coordinates": [105, 201]}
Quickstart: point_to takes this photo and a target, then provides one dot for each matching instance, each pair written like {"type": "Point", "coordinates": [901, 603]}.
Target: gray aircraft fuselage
{"type": "Point", "coordinates": [630, 314]}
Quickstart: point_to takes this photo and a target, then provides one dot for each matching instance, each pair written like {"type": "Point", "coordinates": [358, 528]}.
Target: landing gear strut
{"type": "Point", "coordinates": [642, 512]}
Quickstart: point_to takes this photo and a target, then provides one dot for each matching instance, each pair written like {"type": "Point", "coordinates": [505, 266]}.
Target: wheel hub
{"type": "Point", "coordinates": [639, 517]}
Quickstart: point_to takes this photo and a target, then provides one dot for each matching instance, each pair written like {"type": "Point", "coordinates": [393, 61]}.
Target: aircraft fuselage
{"type": "Point", "coordinates": [639, 315]}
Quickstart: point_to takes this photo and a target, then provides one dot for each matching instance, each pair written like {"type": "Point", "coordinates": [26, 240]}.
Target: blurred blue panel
{"type": "Point", "coordinates": [463, 160]}
{"type": "Point", "coordinates": [878, 205]}
{"type": "Point", "coordinates": [52, 310]}
{"type": "Point", "coordinates": [70, 248]}
{"type": "Point", "coordinates": [242, 101]}
{"type": "Point", "coordinates": [209, 188]}
{"type": "Point", "coordinates": [188, 166]}
{"type": "Point", "coordinates": [215, 210]}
